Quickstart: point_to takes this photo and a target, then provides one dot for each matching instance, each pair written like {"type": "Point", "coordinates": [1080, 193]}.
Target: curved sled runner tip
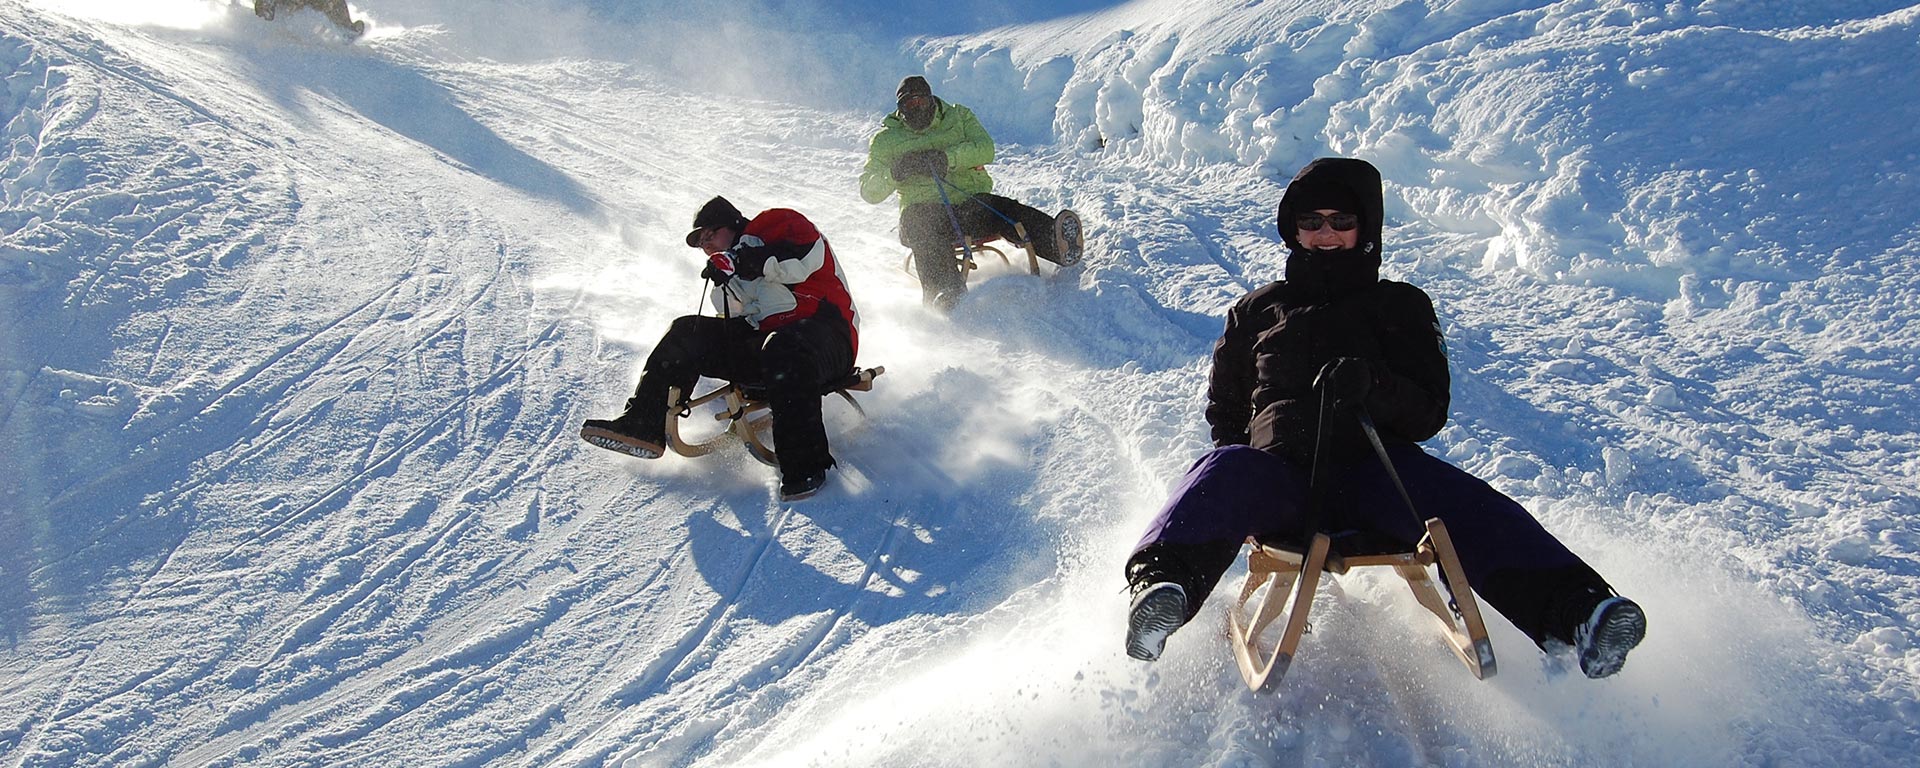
{"type": "Point", "coordinates": [1289, 579]}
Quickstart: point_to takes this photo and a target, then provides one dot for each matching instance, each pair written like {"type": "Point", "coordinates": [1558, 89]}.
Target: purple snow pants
{"type": "Point", "coordinates": [1236, 491]}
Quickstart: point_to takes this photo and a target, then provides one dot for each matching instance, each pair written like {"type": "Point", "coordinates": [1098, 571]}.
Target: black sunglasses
{"type": "Point", "coordinates": [1341, 222]}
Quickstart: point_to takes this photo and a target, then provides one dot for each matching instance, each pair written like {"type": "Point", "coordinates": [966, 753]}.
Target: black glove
{"type": "Point", "coordinates": [920, 162]}
{"type": "Point", "coordinates": [750, 261]}
{"type": "Point", "coordinates": [719, 268]}
{"type": "Point", "coordinates": [1345, 379]}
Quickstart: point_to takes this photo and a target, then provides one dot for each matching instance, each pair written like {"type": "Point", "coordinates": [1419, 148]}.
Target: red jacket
{"type": "Point", "coordinates": [799, 278]}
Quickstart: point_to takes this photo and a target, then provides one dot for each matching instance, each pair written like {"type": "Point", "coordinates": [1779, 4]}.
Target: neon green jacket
{"type": "Point", "coordinates": [954, 129]}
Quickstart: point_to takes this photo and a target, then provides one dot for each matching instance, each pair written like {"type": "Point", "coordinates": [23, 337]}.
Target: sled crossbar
{"type": "Point", "coordinates": [1290, 578]}
{"type": "Point", "coordinates": [746, 414]}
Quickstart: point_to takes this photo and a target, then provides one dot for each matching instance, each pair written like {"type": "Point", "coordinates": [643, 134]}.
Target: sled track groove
{"type": "Point", "coordinates": [660, 672]}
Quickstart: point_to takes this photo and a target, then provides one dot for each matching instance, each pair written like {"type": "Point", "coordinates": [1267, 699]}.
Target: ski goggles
{"type": "Point", "coordinates": [1341, 222]}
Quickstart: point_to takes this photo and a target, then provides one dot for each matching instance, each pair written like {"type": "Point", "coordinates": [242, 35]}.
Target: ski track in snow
{"type": "Point", "coordinates": [298, 335]}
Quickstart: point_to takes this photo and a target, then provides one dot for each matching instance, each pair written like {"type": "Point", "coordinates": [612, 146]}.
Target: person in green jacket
{"type": "Point", "coordinates": [335, 10]}
{"type": "Point", "coordinates": [929, 146]}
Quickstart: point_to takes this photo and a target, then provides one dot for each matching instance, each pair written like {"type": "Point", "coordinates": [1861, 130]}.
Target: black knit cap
{"type": "Point", "coordinates": [716, 213]}
{"type": "Point", "coordinates": [912, 85]}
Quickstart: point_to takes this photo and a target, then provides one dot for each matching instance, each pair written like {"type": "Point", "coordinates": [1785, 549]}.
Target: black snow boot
{"type": "Point", "coordinates": [1168, 582]}
{"type": "Point", "coordinates": [1069, 238]}
{"type": "Point", "coordinates": [1159, 608]}
{"type": "Point", "coordinates": [802, 485]}
{"type": "Point", "coordinates": [1615, 626]}
{"type": "Point", "coordinates": [1600, 626]}
{"type": "Point", "coordinates": [627, 434]}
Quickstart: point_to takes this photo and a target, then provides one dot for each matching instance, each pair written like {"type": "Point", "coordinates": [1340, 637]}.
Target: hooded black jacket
{"type": "Point", "coordinates": [1331, 304]}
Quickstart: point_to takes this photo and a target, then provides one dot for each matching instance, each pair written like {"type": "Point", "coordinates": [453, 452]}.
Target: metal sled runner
{"type": "Point", "coordinates": [1290, 578]}
{"type": "Point", "coordinates": [748, 416]}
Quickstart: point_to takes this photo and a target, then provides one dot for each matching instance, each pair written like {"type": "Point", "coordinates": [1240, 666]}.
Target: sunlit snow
{"type": "Point", "coordinates": [296, 333]}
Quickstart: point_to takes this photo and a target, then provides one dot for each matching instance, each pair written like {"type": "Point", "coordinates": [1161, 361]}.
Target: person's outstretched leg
{"type": "Point", "coordinates": [1005, 211]}
{"type": "Point", "coordinates": [1229, 494]}
{"type": "Point", "coordinates": [692, 347]}
{"type": "Point", "coordinates": [1519, 568]}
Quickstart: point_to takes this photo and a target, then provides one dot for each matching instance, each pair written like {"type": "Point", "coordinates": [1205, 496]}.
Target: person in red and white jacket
{"type": "Point", "coordinates": [786, 322]}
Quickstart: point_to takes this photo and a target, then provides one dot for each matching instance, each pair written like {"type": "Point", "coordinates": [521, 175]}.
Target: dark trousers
{"type": "Point", "coordinates": [1231, 493]}
{"type": "Point", "coordinates": [928, 231]}
{"type": "Point", "coordinates": [793, 363]}
{"type": "Point", "coordinates": [335, 10]}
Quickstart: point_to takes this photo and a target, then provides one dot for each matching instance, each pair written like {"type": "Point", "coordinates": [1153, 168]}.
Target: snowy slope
{"type": "Point", "coordinates": [296, 336]}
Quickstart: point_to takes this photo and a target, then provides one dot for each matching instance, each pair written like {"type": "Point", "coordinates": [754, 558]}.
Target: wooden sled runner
{"type": "Point", "coordinates": [1290, 578]}
{"type": "Point", "coordinates": [1066, 227]}
{"type": "Point", "coordinates": [969, 257]}
{"type": "Point", "coordinates": [746, 412]}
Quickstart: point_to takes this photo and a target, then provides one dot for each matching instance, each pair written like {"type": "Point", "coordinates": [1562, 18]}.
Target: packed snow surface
{"type": "Point", "coordinates": [297, 332]}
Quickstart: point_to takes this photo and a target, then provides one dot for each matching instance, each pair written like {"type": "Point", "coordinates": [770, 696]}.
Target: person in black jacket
{"type": "Point", "coordinates": [1334, 326]}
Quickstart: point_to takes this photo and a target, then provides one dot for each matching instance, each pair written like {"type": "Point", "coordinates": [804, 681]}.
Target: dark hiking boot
{"type": "Point", "coordinates": [1602, 641]}
{"type": "Point", "coordinates": [802, 485]}
{"type": "Point", "coordinates": [1069, 239]}
{"type": "Point", "coordinates": [1158, 609]}
{"type": "Point", "coordinates": [625, 435]}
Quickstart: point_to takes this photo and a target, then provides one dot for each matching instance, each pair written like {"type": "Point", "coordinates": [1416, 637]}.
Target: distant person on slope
{"type": "Point", "coordinates": [335, 10]}
{"type": "Point", "coordinates": [1333, 324]}
{"type": "Point", "coordinates": [787, 322]}
{"type": "Point", "coordinates": [928, 147]}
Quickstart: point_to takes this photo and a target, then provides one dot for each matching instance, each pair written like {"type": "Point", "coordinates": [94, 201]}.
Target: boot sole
{"type": "Point", "coordinates": [1620, 629]}
{"type": "Point", "coordinates": [1069, 235]}
{"type": "Point", "coordinates": [803, 495]}
{"type": "Point", "coordinates": [1154, 617]}
{"type": "Point", "coordinates": [619, 443]}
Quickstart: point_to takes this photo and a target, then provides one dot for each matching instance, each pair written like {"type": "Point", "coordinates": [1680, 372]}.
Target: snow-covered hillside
{"type": "Point", "coordinates": [296, 335]}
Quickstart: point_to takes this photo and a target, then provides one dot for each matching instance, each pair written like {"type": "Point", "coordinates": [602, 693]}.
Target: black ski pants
{"type": "Point", "coordinates": [928, 231]}
{"type": "Point", "coordinates": [792, 363]}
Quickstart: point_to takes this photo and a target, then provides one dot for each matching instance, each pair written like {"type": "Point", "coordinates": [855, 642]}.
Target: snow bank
{"type": "Point", "coordinates": [1618, 143]}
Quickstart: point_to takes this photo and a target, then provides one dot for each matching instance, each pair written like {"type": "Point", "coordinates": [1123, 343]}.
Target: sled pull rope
{"type": "Point", "coordinates": [1380, 449]}
{"type": "Point", "coordinates": [1314, 489]}
{"type": "Point", "coordinates": [954, 218]}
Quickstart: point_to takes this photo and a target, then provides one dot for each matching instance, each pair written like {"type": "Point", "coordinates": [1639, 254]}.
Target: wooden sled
{"type": "Point", "coordinates": [1294, 577]}
{"type": "Point", "coordinates": [746, 413]}
{"type": "Point", "coordinates": [1066, 226]}
{"type": "Point", "coordinates": [977, 246]}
